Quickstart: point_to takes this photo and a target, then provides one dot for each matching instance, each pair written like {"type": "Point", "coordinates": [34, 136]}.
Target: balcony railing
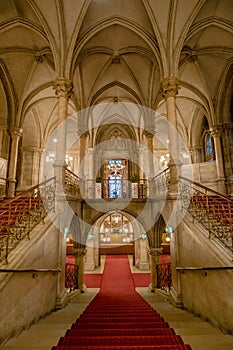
{"type": "Point", "coordinates": [158, 186]}
{"type": "Point", "coordinates": [19, 215]}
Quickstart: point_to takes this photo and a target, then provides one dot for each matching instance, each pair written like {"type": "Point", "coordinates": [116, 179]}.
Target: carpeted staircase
{"type": "Point", "coordinates": [118, 318]}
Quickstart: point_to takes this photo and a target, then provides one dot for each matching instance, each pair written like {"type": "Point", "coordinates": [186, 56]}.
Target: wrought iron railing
{"type": "Point", "coordinates": [3, 187]}
{"type": "Point", "coordinates": [71, 183]}
{"type": "Point", "coordinates": [210, 208]}
{"type": "Point", "coordinates": [19, 215]}
{"type": "Point", "coordinates": [71, 277]}
{"type": "Point", "coordinates": [128, 189]}
{"type": "Point", "coordinates": [159, 185]}
{"type": "Point", "coordinates": [164, 276]}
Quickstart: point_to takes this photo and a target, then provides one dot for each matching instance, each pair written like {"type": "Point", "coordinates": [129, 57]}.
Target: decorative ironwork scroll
{"type": "Point", "coordinates": [19, 215]}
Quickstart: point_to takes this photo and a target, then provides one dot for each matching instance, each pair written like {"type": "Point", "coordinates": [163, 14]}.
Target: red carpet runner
{"type": "Point", "coordinates": [118, 318]}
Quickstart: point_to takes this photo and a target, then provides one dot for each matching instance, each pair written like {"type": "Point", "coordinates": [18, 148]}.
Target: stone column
{"type": "Point", "coordinates": [30, 167]}
{"type": "Point", "coordinates": [63, 89]}
{"type": "Point", "coordinates": [216, 132]}
{"type": "Point", "coordinates": [150, 158]}
{"type": "Point", "coordinates": [12, 167]}
{"type": "Point", "coordinates": [154, 261]}
{"type": "Point", "coordinates": [91, 181]}
{"type": "Point", "coordinates": [228, 153]}
{"type": "Point", "coordinates": [79, 254]}
{"type": "Point", "coordinates": [141, 155]}
{"type": "Point", "coordinates": [90, 256]}
{"type": "Point", "coordinates": [143, 257]}
{"type": "Point", "coordinates": [197, 154]}
{"type": "Point", "coordinates": [170, 90]}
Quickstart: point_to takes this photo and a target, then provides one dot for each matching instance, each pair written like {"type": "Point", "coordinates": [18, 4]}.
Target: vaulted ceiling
{"type": "Point", "coordinates": [114, 50]}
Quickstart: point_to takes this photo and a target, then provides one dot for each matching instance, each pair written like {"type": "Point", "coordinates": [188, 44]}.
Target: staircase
{"type": "Point", "coordinates": [119, 319]}
{"type": "Point", "coordinates": [19, 215]}
{"type": "Point", "coordinates": [211, 209]}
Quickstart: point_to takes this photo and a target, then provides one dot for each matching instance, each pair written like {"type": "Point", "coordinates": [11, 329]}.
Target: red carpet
{"type": "Point", "coordinates": [141, 279]}
{"type": "Point", "coordinates": [93, 280]}
{"type": "Point", "coordinates": [118, 318]}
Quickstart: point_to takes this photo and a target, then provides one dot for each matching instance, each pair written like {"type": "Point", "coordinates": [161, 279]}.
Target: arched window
{"type": "Point", "coordinates": [209, 147]}
{"type": "Point", "coordinates": [115, 185]}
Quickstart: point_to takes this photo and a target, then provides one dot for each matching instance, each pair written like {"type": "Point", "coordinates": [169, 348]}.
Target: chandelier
{"type": "Point", "coordinates": [115, 166]}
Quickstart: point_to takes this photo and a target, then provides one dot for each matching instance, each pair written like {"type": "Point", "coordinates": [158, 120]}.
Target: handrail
{"type": "Point", "coordinates": [207, 189]}
{"type": "Point", "coordinates": [29, 270]}
{"type": "Point", "coordinates": [159, 174]}
{"type": "Point", "coordinates": [8, 201]}
{"type": "Point", "coordinates": [210, 208]}
{"type": "Point", "coordinates": [204, 268]}
{"type": "Point", "coordinates": [20, 214]}
{"type": "Point", "coordinates": [73, 174]}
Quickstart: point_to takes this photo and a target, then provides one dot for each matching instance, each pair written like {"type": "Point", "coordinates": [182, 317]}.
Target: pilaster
{"type": "Point", "coordinates": [170, 90]}
{"type": "Point", "coordinates": [216, 132]}
{"type": "Point", "coordinates": [63, 90]}
{"type": "Point", "coordinates": [15, 134]}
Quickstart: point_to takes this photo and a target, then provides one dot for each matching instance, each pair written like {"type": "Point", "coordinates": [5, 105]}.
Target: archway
{"type": "Point", "coordinates": [117, 232]}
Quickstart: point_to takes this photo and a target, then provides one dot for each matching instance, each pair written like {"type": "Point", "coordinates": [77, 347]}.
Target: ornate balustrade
{"type": "Point", "coordinates": [19, 215]}
{"type": "Point", "coordinates": [210, 208]}
{"type": "Point", "coordinates": [158, 186]}
{"type": "Point", "coordinates": [164, 276]}
{"type": "Point", "coordinates": [71, 183]}
{"type": "Point", "coordinates": [71, 277]}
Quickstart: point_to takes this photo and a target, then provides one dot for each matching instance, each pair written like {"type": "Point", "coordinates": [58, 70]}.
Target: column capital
{"type": "Point", "coordinates": [79, 252]}
{"type": "Point", "coordinates": [216, 130]}
{"type": "Point", "coordinates": [16, 132]}
{"type": "Point", "coordinates": [155, 251]}
{"type": "Point", "coordinates": [169, 87]}
{"type": "Point", "coordinates": [63, 87]}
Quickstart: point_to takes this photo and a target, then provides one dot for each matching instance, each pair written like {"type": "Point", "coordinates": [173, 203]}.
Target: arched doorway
{"type": "Point", "coordinates": [116, 233]}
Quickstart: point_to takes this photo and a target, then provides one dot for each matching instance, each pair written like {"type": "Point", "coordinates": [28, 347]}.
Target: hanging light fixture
{"type": "Point", "coordinates": [115, 166]}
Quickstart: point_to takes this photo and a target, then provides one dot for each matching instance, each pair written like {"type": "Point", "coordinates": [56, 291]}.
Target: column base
{"type": "Point", "coordinates": [83, 288]}
{"type": "Point", "coordinates": [89, 266]}
{"type": "Point", "coordinates": [62, 300]}
{"type": "Point", "coordinates": [144, 266]}
{"type": "Point", "coordinates": [175, 298]}
{"type": "Point", "coordinates": [152, 289]}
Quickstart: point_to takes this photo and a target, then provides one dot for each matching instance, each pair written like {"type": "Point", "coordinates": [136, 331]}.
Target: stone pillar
{"type": "Point", "coordinates": [12, 167]}
{"type": "Point", "coordinates": [82, 147]}
{"type": "Point", "coordinates": [170, 90]}
{"type": "Point", "coordinates": [79, 254]}
{"type": "Point", "coordinates": [154, 261]}
{"type": "Point", "coordinates": [150, 158]}
{"type": "Point", "coordinates": [197, 154]}
{"type": "Point", "coordinates": [143, 256]}
{"type": "Point", "coordinates": [91, 181]}
{"type": "Point", "coordinates": [90, 256]}
{"type": "Point", "coordinates": [228, 154]}
{"type": "Point", "coordinates": [63, 89]}
{"type": "Point", "coordinates": [216, 132]}
{"type": "Point", "coordinates": [141, 155]}
{"type": "Point", "coordinates": [30, 167]}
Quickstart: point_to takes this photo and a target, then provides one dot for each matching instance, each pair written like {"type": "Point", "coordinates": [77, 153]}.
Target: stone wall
{"type": "Point", "coordinates": [27, 297]}
{"type": "Point", "coordinates": [207, 294]}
